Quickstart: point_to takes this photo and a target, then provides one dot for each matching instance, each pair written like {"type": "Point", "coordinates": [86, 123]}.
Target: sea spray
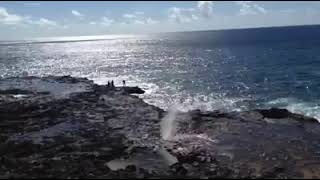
{"type": "Point", "coordinates": [169, 127]}
{"type": "Point", "coordinates": [168, 124]}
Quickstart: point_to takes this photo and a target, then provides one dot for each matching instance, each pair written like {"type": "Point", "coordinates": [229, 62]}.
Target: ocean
{"type": "Point", "coordinates": [229, 70]}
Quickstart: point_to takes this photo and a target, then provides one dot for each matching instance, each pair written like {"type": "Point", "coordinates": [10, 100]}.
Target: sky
{"type": "Point", "coordinates": [33, 19]}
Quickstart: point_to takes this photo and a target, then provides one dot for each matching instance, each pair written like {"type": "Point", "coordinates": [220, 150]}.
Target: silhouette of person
{"type": "Point", "coordinates": [108, 83]}
{"type": "Point", "coordinates": [124, 82]}
{"type": "Point", "coordinates": [112, 84]}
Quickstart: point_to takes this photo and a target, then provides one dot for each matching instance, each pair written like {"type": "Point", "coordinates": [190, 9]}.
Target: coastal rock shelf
{"type": "Point", "coordinates": [68, 127]}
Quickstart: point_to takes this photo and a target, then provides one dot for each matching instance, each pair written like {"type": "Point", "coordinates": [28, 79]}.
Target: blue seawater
{"type": "Point", "coordinates": [229, 70]}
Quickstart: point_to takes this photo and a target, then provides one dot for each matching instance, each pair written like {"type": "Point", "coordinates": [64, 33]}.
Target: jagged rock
{"type": "Point", "coordinates": [274, 113]}
{"type": "Point", "coordinates": [133, 90]}
{"type": "Point", "coordinates": [15, 91]}
{"type": "Point", "coordinates": [73, 132]}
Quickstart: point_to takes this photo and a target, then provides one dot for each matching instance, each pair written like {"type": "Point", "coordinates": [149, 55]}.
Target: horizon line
{"type": "Point", "coordinates": [100, 37]}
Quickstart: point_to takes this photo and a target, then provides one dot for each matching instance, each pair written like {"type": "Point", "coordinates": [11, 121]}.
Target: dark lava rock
{"type": "Point", "coordinates": [274, 113]}
{"type": "Point", "coordinates": [284, 113]}
{"type": "Point", "coordinates": [15, 91]}
{"type": "Point", "coordinates": [77, 130]}
{"type": "Point", "coordinates": [133, 90]}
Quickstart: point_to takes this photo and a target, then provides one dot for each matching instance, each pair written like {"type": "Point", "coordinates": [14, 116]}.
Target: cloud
{"type": "Point", "coordinates": [182, 15]}
{"type": "Point", "coordinates": [288, 11]}
{"type": "Point", "coordinates": [129, 16]}
{"type": "Point", "coordinates": [138, 22]}
{"type": "Point", "coordinates": [151, 21]}
{"type": "Point", "coordinates": [145, 21]}
{"type": "Point", "coordinates": [137, 18]}
{"type": "Point", "coordinates": [45, 22]}
{"type": "Point", "coordinates": [139, 13]}
{"type": "Point", "coordinates": [10, 19]}
{"type": "Point", "coordinates": [14, 19]}
{"type": "Point", "coordinates": [136, 14]}
{"type": "Point", "coordinates": [260, 9]}
{"type": "Point", "coordinates": [77, 13]}
{"type": "Point", "coordinates": [249, 8]}
{"type": "Point", "coordinates": [205, 8]}
{"type": "Point", "coordinates": [32, 4]}
{"type": "Point", "coordinates": [106, 21]}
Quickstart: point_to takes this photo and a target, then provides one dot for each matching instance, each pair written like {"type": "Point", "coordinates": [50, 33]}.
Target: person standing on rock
{"type": "Point", "coordinates": [124, 82]}
{"type": "Point", "coordinates": [108, 83]}
{"type": "Point", "coordinates": [112, 84]}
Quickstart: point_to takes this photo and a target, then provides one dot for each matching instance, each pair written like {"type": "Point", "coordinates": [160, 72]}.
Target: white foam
{"type": "Point", "coordinates": [20, 96]}
{"type": "Point", "coordinates": [311, 109]}
{"type": "Point", "coordinates": [58, 90]}
{"type": "Point", "coordinates": [169, 95]}
{"type": "Point", "coordinates": [204, 137]}
{"type": "Point", "coordinates": [186, 102]}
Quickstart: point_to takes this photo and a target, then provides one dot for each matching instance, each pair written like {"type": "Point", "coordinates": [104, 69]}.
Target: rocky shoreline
{"type": "Point", "coordinates": [66, 127]}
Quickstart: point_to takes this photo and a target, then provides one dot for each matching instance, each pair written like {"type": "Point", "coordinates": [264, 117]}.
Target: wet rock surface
{"type": "Point", "coordinates": [66, 127]}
